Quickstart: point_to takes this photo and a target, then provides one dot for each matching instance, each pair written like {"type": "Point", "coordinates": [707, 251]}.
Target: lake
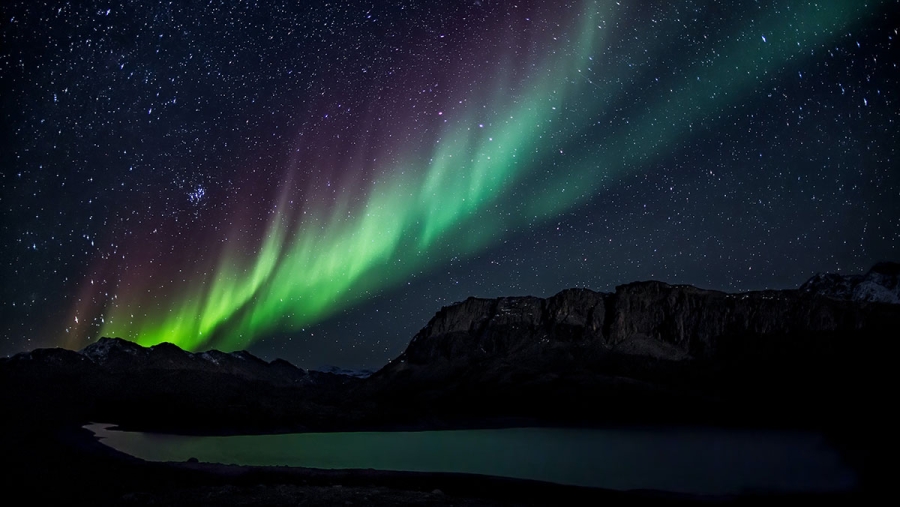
{"type": "Point", "coordinates": [688, 460]}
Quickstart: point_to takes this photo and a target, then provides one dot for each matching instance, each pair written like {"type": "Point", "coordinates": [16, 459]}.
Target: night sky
{"type": "Point", "coordinates": [313, 180]}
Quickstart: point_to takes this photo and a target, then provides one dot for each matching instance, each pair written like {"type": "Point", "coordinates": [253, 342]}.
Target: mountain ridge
{"type": "Point", "coordinates": [880, 284]}
{"type": "Point", "coordinates": [649, 351]}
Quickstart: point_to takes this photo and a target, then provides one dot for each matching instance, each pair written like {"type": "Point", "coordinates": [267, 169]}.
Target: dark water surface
{"type": "Point", "coordinates": [689, 460]}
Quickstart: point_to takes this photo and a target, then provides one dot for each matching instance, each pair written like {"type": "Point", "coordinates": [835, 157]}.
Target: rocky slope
{"type": "Point", "coordinates": [881, 284]}
{"type": "Point", "coordinates": [649, 351]}
{"type": "Point", "coordinates": [122, 356]}
{"type": "Point", "coordinates": [648, 319]}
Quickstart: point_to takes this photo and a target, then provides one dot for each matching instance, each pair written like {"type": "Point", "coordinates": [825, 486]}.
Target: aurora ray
{"type": "Point", "coordinates": [502, 148]}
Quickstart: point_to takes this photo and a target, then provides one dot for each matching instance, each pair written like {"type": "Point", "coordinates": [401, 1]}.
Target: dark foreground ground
{"type": "Point", "coordinates": [66, 466]}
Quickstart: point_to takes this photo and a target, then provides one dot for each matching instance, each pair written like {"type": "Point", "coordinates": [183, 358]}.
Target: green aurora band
{"type": "Point", "coordinates": [476, 186]}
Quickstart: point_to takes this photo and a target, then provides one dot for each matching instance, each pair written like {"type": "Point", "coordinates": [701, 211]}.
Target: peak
{"type": "Point", "coordinates": [168, 347]}
{"type": "Point", "coordinates": [105, 345]}
{"type": "Point", "coordinates": [111, 341]}
{"type": "Point", "coordinates": [243, 355]}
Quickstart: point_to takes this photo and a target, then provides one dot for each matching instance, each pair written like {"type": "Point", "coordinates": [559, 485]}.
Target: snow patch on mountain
{"type": "Point", "coordinates": [881, 285]}
{"type": "Point", "coordinates": [209, 357]}
{"type": "Point", "coordinates": [104, 347]}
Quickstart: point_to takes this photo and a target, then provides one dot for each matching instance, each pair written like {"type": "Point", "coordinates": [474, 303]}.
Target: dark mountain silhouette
{"type": "Point", "coordinates": [166, 388]}
{"type": "Point", "coordinates": [649, 352]}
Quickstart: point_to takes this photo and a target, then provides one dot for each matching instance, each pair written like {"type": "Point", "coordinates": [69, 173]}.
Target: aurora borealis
{"type": "Point", "coordinates": [315, 180]}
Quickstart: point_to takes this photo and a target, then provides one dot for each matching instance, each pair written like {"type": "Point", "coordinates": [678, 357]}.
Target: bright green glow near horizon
{"type": "Point", "coordinates": [476, 185]}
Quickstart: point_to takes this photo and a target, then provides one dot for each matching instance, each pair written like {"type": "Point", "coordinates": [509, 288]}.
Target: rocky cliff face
{"type": "Point", "coordinates": [648, 346]}
{"type": "Point", "coordinates": [651, 319]}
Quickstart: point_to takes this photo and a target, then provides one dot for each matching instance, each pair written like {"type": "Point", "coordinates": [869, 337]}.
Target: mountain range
{"type": "Point", "coordinates": [648, 352]}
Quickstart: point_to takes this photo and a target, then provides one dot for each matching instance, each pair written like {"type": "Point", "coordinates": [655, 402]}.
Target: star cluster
{"type": "Point", "coordinates": [312, 180]}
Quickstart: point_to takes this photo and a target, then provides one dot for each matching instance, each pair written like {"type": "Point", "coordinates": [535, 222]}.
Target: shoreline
{"type": "Point", "coordinates": [724, 487]}
{"type": "Point", "coordinates": [67, 463]}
